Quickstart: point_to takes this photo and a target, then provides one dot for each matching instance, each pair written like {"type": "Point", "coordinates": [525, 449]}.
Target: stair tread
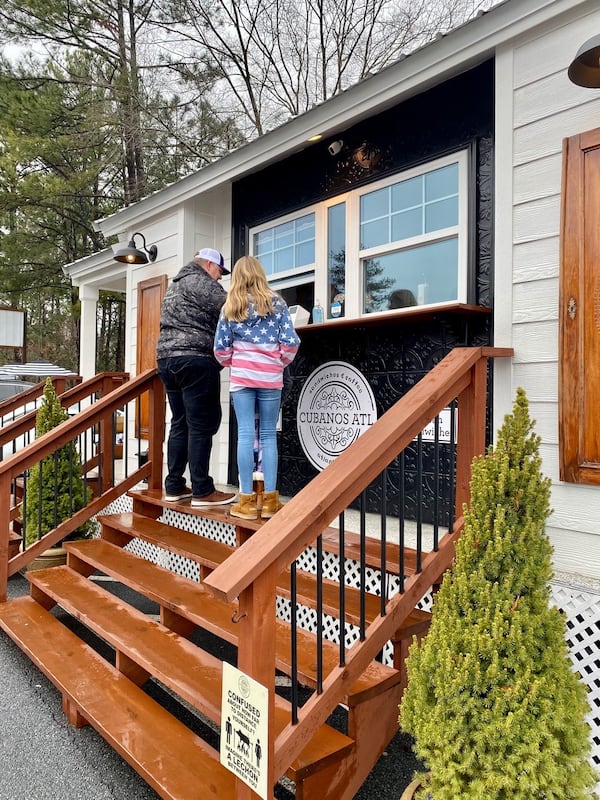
{"type": "Point", "coordinates": [210, 553]}
{"type": "Point", "coordinates": [191, 672]}
{"type": "Point", "coordinates": [172, 759]}
{"type": "Point", "coordinates": [192, 601]}
{"type": "Point", "coordinates": [156, 498]}
{"type": "Point", "coordinates": [329, 536]}
{"type": "Point", "coordinates": [201, 549]}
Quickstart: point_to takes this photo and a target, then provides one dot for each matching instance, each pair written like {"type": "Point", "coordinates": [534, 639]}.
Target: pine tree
{"type": "Point", "coordinates": [55, 488]}
{"type": "Point", "coordinates": [493, 704]}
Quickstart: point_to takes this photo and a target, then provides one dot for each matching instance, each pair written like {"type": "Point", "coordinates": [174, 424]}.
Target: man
{"type": "Point", "coordinates": [190, 373]}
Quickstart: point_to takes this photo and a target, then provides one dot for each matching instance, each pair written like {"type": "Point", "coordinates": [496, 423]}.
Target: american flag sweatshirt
{"type": "Point", "coordinates": [257, 349]}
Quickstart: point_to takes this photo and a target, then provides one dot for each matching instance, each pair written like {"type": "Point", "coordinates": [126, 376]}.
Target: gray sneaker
{"type": "Point", "coordinates": [215, 498]}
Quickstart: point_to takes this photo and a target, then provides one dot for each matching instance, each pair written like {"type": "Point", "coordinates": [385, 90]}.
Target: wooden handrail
{"type": "Point", "coordinates": [250, 572]}
{"type": "Point", "coordinates": [69, 429]}
{"type": "Point", "coordinates": [102, 383]}
{"type": "Point", "coordinates": [102, 412]}
{"type": "Point", "coordinates": [30, 395]}
{"type": "Point", "coordinates": [301, 520]}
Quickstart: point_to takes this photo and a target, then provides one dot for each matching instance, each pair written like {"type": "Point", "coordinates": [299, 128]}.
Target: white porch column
{"type": "Point", "coordinates": [88, 297]}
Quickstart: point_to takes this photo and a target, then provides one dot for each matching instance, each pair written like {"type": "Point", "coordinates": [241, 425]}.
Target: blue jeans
{"type": "Point", "coordinates": [268, 402]}
{"type": "Point", "coordinates": [194, 392]}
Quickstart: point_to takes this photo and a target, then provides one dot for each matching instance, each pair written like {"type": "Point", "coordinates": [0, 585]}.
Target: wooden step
{"type": "Point", "coordinates": [14, 543]}
{"type": "Point", "coordinates": [330, 536]}
{"type": "Point", "coordinates": [120, 528]}
{"type": "Point", "coordinates": [146, 648]}
{"type": "Point", "coordinates": [144, 499]}
{"type": "Point", "coordinates": [173, 760]}
{"type": "Point", "coordinates": [188, 600]}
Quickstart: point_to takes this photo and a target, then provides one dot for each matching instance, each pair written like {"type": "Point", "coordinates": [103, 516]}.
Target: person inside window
{"type": "Point", "coordinates": [402, 298]}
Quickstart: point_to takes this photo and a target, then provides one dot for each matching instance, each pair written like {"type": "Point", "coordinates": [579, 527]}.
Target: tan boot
{"type": "Point", "coordinates": [270, 504]}
{"type": "Point", "coordinates": [246, 508]}
{"type": "Point", "coordinates": [258, 486]}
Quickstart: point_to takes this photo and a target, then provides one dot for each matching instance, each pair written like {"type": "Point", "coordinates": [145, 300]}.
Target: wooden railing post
{"type": "Point", "coordinates": [256, 655]}
{"type": "Point", "coordinates": [106, 445]}
{"type": "Point", "coordinates": [472, 403]}
{"type": "Point", "coordinates": [60, 385]}
{"type": "Point", "coordinates": [5, 479]}
{"type": "Point", "coordinates": [156, 431]}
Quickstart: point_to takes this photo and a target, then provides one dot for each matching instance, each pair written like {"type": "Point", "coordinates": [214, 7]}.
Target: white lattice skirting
{"type": "Point", "coordinates": [581, 606]}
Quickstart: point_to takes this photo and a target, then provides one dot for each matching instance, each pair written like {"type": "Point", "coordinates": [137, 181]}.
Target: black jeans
{"type": "Point", "coordinates": [193, 390]}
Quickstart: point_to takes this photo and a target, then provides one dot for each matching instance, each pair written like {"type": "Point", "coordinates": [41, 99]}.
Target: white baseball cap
{"type": "Point", "coordinates": [213, 255]}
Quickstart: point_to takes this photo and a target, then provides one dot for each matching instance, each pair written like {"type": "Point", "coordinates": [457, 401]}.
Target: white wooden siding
{"type": "Point", "coordinates": [543, 109]}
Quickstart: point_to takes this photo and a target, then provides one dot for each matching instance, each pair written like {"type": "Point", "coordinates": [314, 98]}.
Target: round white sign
{"type": "Point", "coordinates": [335, 407]}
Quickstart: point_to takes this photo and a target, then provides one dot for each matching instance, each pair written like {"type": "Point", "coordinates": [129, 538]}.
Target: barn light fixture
{"type": "Point", "coordinates": [133, 255]}
{"type": "Point", "coordinates": [584, 70]}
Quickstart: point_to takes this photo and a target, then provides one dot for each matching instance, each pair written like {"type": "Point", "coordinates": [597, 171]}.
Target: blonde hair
{"type": "Point", "coordinates": [248, 283]}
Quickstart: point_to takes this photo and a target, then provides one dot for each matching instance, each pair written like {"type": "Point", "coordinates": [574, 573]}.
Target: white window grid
{"type": "Point", "coordinates": [355, 256]}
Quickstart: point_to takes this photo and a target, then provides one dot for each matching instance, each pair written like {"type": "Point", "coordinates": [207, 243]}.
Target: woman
{"type": "Point", "coordinates": [256, 339]}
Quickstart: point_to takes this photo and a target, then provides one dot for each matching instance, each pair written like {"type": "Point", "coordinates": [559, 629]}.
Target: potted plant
{"type": "Point", "coordinates": [55, 486]}
{"type": "Point", "coordinates": [493, 704]}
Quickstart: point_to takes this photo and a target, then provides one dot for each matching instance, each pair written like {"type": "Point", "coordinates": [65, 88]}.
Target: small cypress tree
{"type": "Point", "coordinates": [493, 704]}
{"type": "Point", "coordinates": [55, 488]}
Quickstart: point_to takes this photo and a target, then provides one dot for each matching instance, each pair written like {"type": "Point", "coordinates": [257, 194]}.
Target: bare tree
{"type": "Point", "coordinates": [272, 59]}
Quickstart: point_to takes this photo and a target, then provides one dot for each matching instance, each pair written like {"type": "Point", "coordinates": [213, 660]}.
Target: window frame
{"type": "Point", "coordinates": [317, 273]}
{"type": "Point", "coordinates": [306, 271]}
{"type": "Point", "coordinates": [460, 231]}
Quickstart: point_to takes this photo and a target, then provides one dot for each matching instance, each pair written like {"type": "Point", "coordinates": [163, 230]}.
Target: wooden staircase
{"type": "Point", "coordinates": [111, 697]}
{"type": "Point", "coordinates": [113, 687]}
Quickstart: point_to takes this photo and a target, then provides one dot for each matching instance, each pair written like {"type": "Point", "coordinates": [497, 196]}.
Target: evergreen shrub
{"type": "Point", "coordinates": [494, 707]}
{"type": "Point", "coordinates": [55, 487]}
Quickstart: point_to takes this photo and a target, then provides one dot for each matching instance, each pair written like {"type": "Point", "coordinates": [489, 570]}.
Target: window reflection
{"type": "Point", "coordinates": [428, 272]}
{"type": "Point", "coordinates": [409, 208]}
{"type": "Point", "coordinates": [336, 259]}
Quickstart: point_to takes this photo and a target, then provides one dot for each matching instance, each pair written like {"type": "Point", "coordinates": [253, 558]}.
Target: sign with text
{"type": "Point", "coordinates": [444, 428]}
{"type": "Point", "coordinates": [244, 728]}
{"type": "Point", "coordinates": [335, 407]}
{"type": "Point", "coordinates": [12, 327]}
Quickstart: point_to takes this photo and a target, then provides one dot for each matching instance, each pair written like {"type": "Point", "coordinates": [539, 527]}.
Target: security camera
{"type": "Point", "coordinates": [335, 147]}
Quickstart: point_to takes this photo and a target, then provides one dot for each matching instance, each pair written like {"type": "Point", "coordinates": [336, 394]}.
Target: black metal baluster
{"type": "Point", "coordinates": [452, 481]}
{"type": "Point", "coordinates": [71, 477]}
{"type": "Point", "coordinates": [342, 584]}
{"type": "Point", "coordinates": [419, 502]}
{"type": "Point", "coordinates": [362, 565]}
{"type": "Point", "coordinates": [294, 642]}
{"type": "Point", "coordinates": [436, 483]}
{"type": "Point", "coordinates": [319, 614]}
{"type": "Point", "coordinates": [401, 520]}
{"type": "Point", "coordinates": [56, 461]}
{"type": "Point", "coordinates": [383, 540]}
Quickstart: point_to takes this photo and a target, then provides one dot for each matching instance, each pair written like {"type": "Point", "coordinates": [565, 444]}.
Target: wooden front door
{"type": "Point", "coordinates": [579, 311]}
{"type": "Point", "coordinates": [149, 298]}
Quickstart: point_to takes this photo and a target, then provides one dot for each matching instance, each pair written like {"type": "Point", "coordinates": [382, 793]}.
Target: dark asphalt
{"type": "Point", "coordinates": [42, 757]}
